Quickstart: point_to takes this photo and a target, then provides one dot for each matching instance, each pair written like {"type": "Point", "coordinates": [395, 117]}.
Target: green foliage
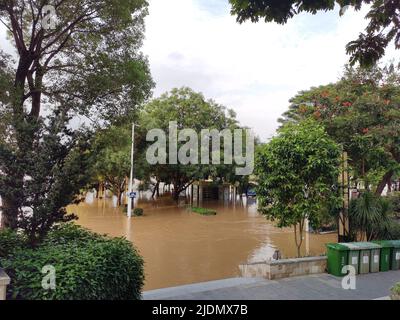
{"type": "Point", "coordinates": [88, 267]}
{"type": "Point", "coordinates": [371, 215]}
{"type": "Point", "coordinates": [361, 113]}
{"type": "Point", "coordinates": [327, 219]}
{"type": "Point", "coordinates": [111, 152]}
{"type": "Point", "coordinates": [89, 65]}
{"type": "Point", "coordinates": [395, 292]}
{"type": "Point", "coordinates": [389, 230]}
{"type": "Point", "coordinates": [66, 233]}
{"type": "Point", "coordinates": [204, 211]}
{"type": "Point", "coordinates": [297, 172]}
{"type": "Point", "coordinates": [190, 110]}
{"type": "Point", "coordinates": [138, 212]}
{"type": "Point", "coordinates": [366, 210]}
{"type": "Point", "coordinates": [396, 289]}
{"type": "Point", "coordinates": [10, 241]}
{"type": "Point", "coordinates": [383, 27]}
{"type": "Point", "coordinates": [394, 198]}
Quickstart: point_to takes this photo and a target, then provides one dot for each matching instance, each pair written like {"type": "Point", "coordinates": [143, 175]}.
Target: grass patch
{"type": "Point", "coordinates": [204, 211]}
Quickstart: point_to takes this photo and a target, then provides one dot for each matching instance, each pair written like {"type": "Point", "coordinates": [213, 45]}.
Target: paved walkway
{"type": "Point", "coordinates": [315, 287]}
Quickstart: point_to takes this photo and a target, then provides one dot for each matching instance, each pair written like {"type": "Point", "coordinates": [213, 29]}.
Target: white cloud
{"type": "Point", "coordinates": [253, 68]}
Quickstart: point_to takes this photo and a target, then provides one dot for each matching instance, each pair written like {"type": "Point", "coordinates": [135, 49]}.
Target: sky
{"type": "Point", "coordinates": [252, 68]}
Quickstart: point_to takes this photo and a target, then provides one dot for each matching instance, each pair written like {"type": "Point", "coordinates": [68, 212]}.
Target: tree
{"type": "Point", "coordinates": [111, 150]}
{"type": "Point", "coordinates": [190, 110]}
{"type": "Point", "coordinates": [89, 65]}
{"type": "Point", "coordinates": [297, 173]}
{"type": "Point", "coordinates": [383, 16]}
{"type": "Point", "coordinates": [361, 113]}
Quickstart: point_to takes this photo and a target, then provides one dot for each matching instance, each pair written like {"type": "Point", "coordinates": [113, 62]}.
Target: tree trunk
{"type": "Point", "coordinates": [2, 221]}
{"type": "Point", "coordinates": [175, 194]}
{"type": "Point", "coordinates": [178, 188]}
{"type": "Point", "coordinates": [299, 237]}
{"type": "Point", "coordinates": [156, 190]}
{"type": "Point", "coordinates": [381, 186]}
{"type": "Point", "coordinates": [119, 194]}
{"type": "Point", "coordinates": [37, 93]}
{"type": "Point", "coordinates": [98, 190]}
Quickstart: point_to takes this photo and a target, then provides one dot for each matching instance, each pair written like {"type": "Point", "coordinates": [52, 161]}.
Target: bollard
{"type": "Point", "coordinates": [4, 282]}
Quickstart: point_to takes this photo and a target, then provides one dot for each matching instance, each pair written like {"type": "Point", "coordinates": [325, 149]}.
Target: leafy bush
{"type": "Point", "coordinates": [138, 212]}
{"type": "Point", "coordinates": [88, 267]}
{"type": "Point", "coordinates": [10, 241]}
{"type": "Point", "coordinates": [394, 198]}
{"type": "Point", "coordinates": [390, 231]}
{"type": "Point", "coordinates": [396, 292]}
{"type": "Point", "coordinates": [67, 232]}
{"type": "Point", "coordinates": [204, 211]}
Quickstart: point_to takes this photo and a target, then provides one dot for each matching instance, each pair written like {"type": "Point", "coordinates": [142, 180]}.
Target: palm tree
{"type": "Point", "coordinates": [369, 214]}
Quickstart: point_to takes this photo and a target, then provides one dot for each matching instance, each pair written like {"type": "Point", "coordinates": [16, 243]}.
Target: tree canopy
{"type": "Point", "coordinates": [383, 16]}
{"type": "Point", "coordinates": [190, 110]}
{"type": "Point", "coordinates": [89, 66]}
{"type": "Point", "coordinates": [297, 172]}
{"type": "Point", "coordinates": [112, 162]}
{"type": "Point", "coordinates": [361, 113]}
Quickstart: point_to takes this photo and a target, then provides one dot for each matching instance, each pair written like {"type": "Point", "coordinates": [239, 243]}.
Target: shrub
{"type": "Point", "coordinates": [67, 232]}
{"type": "Point", "coordinates": [88, 267]}
{"type": "Point", "coordinates": [396, 292]}
{"type": "Point", "coordinates": [138, 212]}
{"type": "Point", "coordinates": [10, 241]}
{"type": "Point", "coordinates": [389, 230]}
{"type": "Point", "coordinates": [204, 211]}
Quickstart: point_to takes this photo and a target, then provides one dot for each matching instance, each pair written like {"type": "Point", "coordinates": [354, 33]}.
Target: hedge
{"type": "Point", "coordinates": [88, 267]}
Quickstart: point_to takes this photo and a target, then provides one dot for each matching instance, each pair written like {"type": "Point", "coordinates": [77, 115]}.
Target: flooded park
{"type": "Point", "coordinates": [180, 247]}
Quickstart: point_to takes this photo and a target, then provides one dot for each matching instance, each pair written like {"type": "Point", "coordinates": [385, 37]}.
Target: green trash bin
{"type": "Point", "coordinates": [353, 255]}
{"type": "Point", "coordinates": [386, 254]}
{"type": "Point", "coordinates": [364, 256]}
{"type": "Point", "coordinates": [337, 258]}
{"type": "Point", "coordinates": [375, 260]}
{"type": "Point", "coordinates": [395, 263]}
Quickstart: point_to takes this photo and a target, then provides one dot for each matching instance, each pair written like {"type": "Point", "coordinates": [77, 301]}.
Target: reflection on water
{"type": "Point", "coordinates": [180, 247]}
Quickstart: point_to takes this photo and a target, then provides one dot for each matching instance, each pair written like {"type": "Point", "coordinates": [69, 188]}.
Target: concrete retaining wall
{"type": "Point", "coordinates": [278, 269]}
{"type": "Point", "coordinates": [4, 282]}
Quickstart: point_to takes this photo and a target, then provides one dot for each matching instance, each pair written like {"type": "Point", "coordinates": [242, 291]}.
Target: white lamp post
{"type": "Point", "coordinates": [130, 189]}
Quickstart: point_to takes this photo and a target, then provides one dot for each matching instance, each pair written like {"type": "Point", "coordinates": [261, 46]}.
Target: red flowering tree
{"type": "Point", "coordinates": [361, 112]}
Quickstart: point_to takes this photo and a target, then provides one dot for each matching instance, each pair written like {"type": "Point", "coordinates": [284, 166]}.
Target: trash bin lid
{"type": "Point", "coordinates": [385, 243]}
{"type": "Point", "coordinates": [336, 246]}
{"type": "Point", "coordinates": [395, 243]}
{"type": "Point", "coordinates": [361, 245]}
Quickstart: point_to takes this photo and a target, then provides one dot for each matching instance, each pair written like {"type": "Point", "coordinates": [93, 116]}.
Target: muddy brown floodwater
{"type": "Point", "coordinates": [180, 247]}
